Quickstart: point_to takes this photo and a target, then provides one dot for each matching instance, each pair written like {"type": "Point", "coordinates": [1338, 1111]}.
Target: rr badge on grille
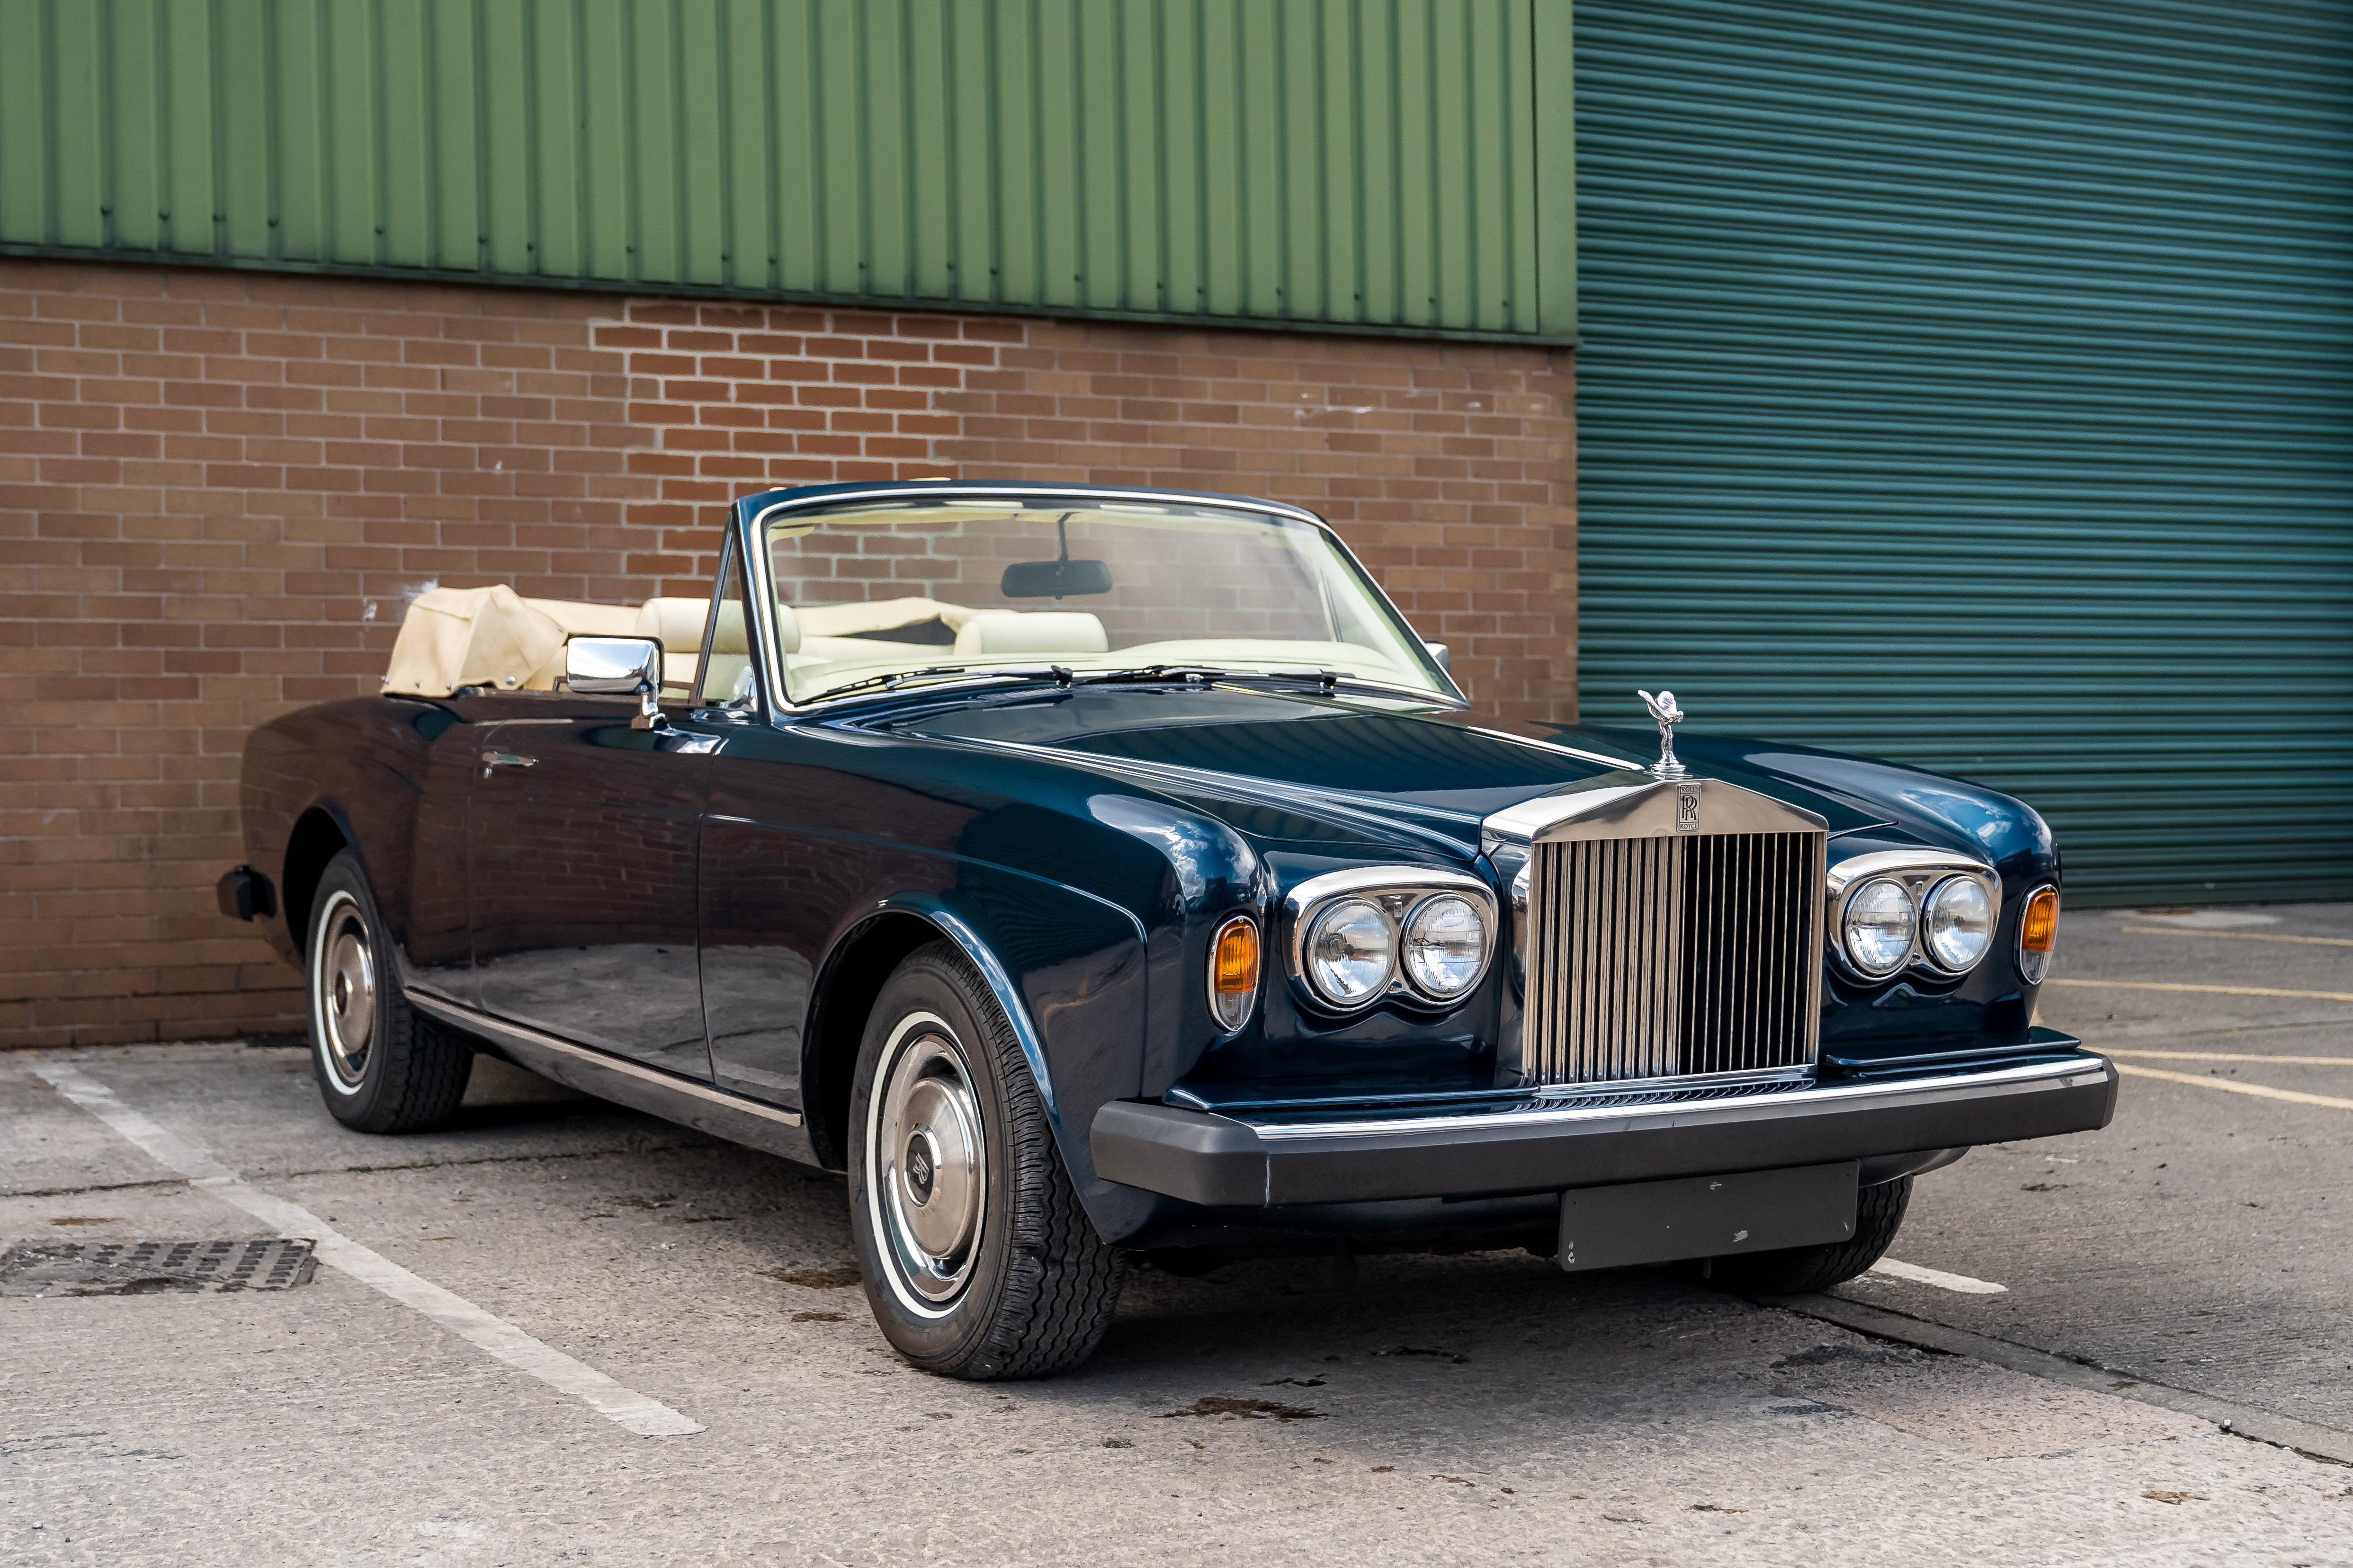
{"type": "Point", "coordinates": [1687, 808]}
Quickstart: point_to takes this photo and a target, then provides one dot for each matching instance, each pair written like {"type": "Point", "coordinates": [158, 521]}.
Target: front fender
{"type": "Point", "coordinates": [1070, 971]}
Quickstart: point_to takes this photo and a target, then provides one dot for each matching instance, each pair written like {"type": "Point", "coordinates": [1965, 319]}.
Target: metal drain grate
{"type": "Point", "coordinates": [151, 1267]}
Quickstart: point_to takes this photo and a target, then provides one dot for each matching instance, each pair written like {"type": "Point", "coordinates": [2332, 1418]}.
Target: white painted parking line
{"type": "Point", "coordinates": [638, 1413]}
{"type": "Point", "coordinates": [2233, 1086]}
{"type": "Point", "coordinates": [1936, 1276]}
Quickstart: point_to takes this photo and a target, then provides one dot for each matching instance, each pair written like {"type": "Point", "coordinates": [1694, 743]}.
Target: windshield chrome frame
{"type": "Point", "coordinates": [731, 548]}
{"type": "Point", "coordinates": [761, 585]}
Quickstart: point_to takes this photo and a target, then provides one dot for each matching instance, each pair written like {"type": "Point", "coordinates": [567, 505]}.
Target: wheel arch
{"type": "Point", "coordinates": [320, 834]}
{"type": "Point", "coordinates": [843, 998]}
{"type": "Point", "coordinates": [839, 1003]}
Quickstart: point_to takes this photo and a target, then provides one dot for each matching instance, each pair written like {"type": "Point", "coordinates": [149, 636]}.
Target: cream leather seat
{"type": "Point", "coordinates": [677, 624]}
{"type": "Point", "coordinates": [1031, 632]}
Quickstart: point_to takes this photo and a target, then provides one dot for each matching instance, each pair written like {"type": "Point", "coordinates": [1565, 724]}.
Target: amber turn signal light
{"type": "Point", "coordinates": [1233, 972]}
{"type": "Point", "coordinates": [2037, 934]}
{"type": "Point", "coordinates": [2040, 931]}
{"type": "Point", "coordinates": [1237, 955]}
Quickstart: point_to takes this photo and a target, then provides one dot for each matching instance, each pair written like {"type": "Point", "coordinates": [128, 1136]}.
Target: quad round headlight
{"type": "Point", "coordinates": [1880, 921]}
{"type": "Point", "coordinates": [1350, 952]}
{"type": "Point", "coordinates": [1445, 946]}
{"type": "Point", "coordinates": [1957, 923]}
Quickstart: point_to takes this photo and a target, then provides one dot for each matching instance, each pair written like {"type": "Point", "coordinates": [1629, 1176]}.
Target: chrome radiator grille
{"type": "Point", "coordinates": [1667, 957]}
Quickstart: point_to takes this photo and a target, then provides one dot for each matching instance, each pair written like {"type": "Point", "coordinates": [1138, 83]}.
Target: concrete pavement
{"type": "Point", "coordinates": [1435, 1409]}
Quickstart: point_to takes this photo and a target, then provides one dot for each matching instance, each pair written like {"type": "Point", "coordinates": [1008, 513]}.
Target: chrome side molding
{"type": "Point", "coordinates": [640, 1088]}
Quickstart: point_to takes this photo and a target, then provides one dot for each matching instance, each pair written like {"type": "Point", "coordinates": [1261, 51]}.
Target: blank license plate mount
{"type": "Point", "coordinates": [1707, 1216]}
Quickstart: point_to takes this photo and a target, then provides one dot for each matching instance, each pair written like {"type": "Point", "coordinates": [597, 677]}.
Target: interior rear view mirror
{"type": "Point", "coordinates": [618, 667]}
{"type": "Point", "coordinates": [1055, 579]}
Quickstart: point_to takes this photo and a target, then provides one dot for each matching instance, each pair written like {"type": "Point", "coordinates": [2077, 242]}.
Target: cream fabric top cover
{"type": "Point", "coordinates": [493, 638]}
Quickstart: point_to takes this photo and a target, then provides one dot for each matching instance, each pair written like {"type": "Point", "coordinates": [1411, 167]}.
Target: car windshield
{"type": "Point", "coordinates": [868, 591]}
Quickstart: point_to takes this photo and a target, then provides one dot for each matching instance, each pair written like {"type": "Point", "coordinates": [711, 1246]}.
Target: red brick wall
{"type": "Point", "coordinates": [216, 488]}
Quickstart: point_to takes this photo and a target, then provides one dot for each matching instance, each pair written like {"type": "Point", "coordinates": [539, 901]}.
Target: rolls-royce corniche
{"type": "Point", "coordinates": [1094, 874]}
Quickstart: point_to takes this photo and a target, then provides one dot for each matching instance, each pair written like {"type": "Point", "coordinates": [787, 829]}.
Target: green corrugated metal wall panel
{"type": "Point", "coordinates": [1972, 383]}
{"type": "Point", "coordinates": [1351, 162]}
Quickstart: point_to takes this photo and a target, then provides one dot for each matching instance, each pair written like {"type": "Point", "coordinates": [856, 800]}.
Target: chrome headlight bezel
{"type": "Point", "coordinates": [1921, 873]}
{"type": "Point", "coordinates": [1396, 892]}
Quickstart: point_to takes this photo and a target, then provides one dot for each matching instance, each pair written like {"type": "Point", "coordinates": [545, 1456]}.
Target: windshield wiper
{"type": "Point", "coordinates": [888, 679]}
{"type": "Point", "coordinates": [1063, 675]}
{"type": "Point", "coordinates": [891, 679]}
{"type": "Point", "coordinates": [1329, 679]}
{"type": "Point", "coordinates": [1154, 672]}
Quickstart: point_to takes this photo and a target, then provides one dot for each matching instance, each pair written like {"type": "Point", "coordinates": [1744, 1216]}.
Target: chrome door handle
{"type": "Point", "coordinates": [506, 760]}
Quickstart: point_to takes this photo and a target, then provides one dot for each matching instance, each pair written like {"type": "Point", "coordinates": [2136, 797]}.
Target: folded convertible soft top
{"type": "Point", "coordinates": [494, 637]}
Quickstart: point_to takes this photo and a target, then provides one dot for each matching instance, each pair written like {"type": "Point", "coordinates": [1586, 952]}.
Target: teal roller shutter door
{"type": "Point", "coordinates": [1972, 384]}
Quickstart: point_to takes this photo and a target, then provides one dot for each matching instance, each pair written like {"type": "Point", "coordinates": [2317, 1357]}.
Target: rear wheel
{"type": "Point", "coordinates": [978, 1261]}
{"type": "Point", "coordinates": [382, 1067]}
{"type": "Point", "coordinates": [1879, 1213]}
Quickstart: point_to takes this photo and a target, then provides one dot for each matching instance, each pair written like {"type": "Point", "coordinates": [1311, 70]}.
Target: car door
{"type": "Point", "coordinates": [435, 950]}
{"type": "Point", "coordinates": [581, 847]}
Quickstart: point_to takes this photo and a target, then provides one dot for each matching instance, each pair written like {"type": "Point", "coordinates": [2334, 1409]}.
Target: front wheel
{"type": "Point", "coordinates": [1878, 1214]}
{"type": "Point", "coordinates": [978, 1261]}
{"type": "Point", "coordinates": [381, 1068]}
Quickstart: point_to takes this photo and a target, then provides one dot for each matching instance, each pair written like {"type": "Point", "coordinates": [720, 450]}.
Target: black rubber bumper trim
{"type": "Point", "coordinates": [1223, 1161]}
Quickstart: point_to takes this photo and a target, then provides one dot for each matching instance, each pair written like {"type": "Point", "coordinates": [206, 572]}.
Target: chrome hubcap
{"type": "Point", "coordinates": [342, 1002]}
{"type": "Point", "coordinates": [926, 1166]}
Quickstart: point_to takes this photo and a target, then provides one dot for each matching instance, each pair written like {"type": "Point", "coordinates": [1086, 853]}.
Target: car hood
{"type": "Point", "coordinates": [1315, 769]}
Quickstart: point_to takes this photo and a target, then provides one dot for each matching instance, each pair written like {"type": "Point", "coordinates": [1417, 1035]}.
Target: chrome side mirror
{"type": "Point", "coordinates": [1443, 655]}
{"type": "Point", "coordinates": [618, 667]}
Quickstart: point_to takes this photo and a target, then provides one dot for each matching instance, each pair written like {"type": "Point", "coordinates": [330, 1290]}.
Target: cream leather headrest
{"type": "Point", "coordinates": [677, 624]}
{"type": "Point", "coordinates": [1034, 631]}
{"type": "Point", "coordinates": [581, 620]}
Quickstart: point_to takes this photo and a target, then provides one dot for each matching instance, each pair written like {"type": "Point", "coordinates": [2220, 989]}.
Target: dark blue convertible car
{"type": "Point", "coordinates": [1094, 873]}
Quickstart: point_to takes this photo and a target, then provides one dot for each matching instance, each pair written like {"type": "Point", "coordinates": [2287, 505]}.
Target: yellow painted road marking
{"type": "Point", "coordinates": [2217, 990]}
{"type": "Point", "coordinates": [2228, 1056]}
{"type": "Point", "coordinates": [2239, 935]}
{"type": "Point", "coordinates": [2234, 1086]}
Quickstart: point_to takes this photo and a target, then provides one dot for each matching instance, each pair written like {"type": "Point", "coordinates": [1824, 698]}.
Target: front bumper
{"type": "Point", "coordinates": [1262, 1160]}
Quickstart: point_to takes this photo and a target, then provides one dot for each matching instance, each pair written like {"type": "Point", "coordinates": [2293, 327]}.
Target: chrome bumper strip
{"type": "Point", "coordinates": [1554, 1112]}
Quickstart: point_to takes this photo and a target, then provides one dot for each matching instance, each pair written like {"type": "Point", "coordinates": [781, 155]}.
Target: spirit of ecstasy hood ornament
{"type": "Point", "coordinates": [1663, 709]}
